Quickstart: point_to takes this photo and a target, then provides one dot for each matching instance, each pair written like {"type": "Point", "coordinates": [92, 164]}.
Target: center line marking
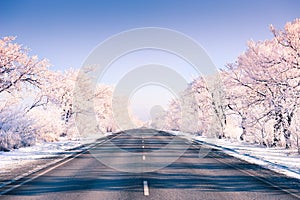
{"type": "Point", "coordinates": [146, 188]}
{"type": "Point", "coordinates": [144, 157]}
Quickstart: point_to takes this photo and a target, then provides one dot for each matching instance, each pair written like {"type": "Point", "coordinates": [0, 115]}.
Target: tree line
{"type": "Point", "coordinates": [259, 96]}
{"type": "Point", "coordinates": [36, 103]}
{"type": "Point", "coordinates": [257, 102]}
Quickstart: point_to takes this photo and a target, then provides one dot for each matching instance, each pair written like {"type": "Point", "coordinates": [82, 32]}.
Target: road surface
{"type": "Point", "coordinates": [146, 173]}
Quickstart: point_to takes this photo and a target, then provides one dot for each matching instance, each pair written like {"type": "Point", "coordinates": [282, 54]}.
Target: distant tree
{"type": "Point", "coordinates": [104, 108]}
{"type": "Point", "coordinates": [173, 116]}
{"type": "Point", "coordinates": [209, 95]}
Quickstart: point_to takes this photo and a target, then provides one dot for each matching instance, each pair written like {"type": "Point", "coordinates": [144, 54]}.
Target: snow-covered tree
{"type": "Point", "coordinates": [36, 104]}
{"type": "Point", "coordinates": [103, 108]}
{"type": "Point", "coordinates": [16, 129]}
{"type": "Point", "coordinates": [209, 96]}
{"type": "Point", "coordinates": [268, 72]}
{"type": "Point", "coordinates": [54, 101]}
{"type": "Point", "coordinates": [173, 116]}
{"type": "Point", "coordinates": [20, 74]}
{"type": "Point", "coordinates": [17, 68]}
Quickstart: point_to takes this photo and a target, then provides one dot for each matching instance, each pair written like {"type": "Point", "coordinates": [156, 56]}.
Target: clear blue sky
{"type": "Point", "coordinates": [65, 31]}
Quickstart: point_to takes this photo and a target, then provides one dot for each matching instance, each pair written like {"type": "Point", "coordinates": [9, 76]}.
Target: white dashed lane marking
{"type": "Point", "coordinates": [146, 188]}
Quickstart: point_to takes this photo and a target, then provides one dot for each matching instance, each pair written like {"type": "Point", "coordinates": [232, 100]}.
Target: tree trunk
{"type": "Point", "coordinates": [243, 124]}
{"type": "Point", "coordinates": [298, 147]}
{"type": "Point", "coordinates": [286, 131]}
{"type": "Point", "coordinates": [287, 136]}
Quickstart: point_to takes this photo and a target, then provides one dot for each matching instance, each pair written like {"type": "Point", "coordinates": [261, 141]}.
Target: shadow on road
{"type": "Point", "coordinates": [202, 174]}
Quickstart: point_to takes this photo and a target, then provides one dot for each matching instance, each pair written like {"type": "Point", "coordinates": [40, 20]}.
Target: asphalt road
{"type": "Point", "coordinates": [147, 164]}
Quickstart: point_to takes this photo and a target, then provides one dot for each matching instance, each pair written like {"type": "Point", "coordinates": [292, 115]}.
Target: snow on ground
{"type": "Point", "coordinates": [280, 160]}
{"type": "Point", "coordinates": [18, 157]}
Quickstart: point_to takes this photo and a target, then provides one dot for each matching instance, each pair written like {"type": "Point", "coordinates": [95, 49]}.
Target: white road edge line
{"type": "Point", "coordinates": [65, 160]}
{"type": "Point", "coordinates": [146, 188]}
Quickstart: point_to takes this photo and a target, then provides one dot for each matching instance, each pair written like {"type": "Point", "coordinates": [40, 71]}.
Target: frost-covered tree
{"type": "Point", "coordinates": [173, 116]}
{"type": "Point", "coordinates": [58, 95]}
{"type": "Point", "coordinates": [103, 108]}
{"type": "Point", "coordinates": [209, 96]}
{"type": "Point", "coordinates": [240, 105]}
{"type": "Point", "coordinates": [37, 104]}
{"type": "Point", "coordinates": [269, 74]}
{"type": "Point", "coordinates": [54, 101]}
{"type": "Point", "coordinates": [17, 68]}
{"type": "Point", "coordinates": [20, 74]}
{"type": "Point", "coordinates": [16, 129]}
